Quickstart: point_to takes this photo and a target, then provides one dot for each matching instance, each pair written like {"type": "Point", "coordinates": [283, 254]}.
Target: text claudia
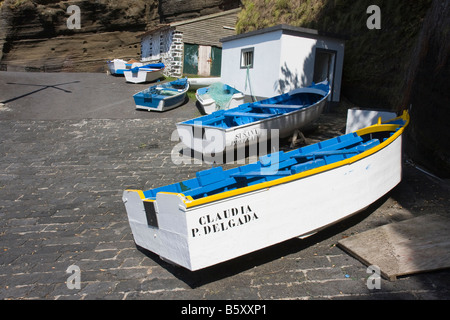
{"type": "Point", "coordinates": [223, 221]}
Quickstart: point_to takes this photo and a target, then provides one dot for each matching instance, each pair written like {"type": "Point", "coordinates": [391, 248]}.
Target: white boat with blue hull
{"type": "Point", "coordinates": [162, 97]}
{"type": "Point", "coordinates": [250, 122]}
{"type": "Point", "coordinates": [220, 215]}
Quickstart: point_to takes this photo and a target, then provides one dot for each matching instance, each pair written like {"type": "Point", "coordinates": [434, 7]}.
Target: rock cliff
{"type": "Point", "coordinates": [35, 35]}
{"type": "Point", "coordinates": [404, 63]}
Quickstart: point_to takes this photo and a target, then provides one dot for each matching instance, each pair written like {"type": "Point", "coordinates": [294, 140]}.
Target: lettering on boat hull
{"type": "Point", "coordinates": [245, 136]}
{"type": "Point", "coordinates": [222, 221]}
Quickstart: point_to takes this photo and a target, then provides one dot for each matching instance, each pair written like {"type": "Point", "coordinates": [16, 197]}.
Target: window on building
{"type": "Point", "coordinates": [247, 56]}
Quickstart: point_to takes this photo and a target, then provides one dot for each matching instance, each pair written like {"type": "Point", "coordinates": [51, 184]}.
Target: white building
{"type": "Point", "coordinates": [190, 46]}
{"type": "Point", "coordinates": [274, 60]}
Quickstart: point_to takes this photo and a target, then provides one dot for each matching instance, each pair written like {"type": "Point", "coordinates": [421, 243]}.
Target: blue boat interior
{"type": "Point", "coordinates": [264, 109]}
{"type": "Point", "coordinates": [276, 165]}
{"type": "Point", "coordinates": [155, 66]}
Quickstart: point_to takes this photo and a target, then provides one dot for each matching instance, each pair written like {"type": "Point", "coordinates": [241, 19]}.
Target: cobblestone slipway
{"type": "Point", "coordinates": [71, 143]}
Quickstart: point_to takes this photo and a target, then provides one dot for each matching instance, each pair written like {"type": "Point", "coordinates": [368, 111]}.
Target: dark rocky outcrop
{"type": "Point", "coordinates": [34, 34]}
{"type": "Point", "coordinates": [405, 63]}
{"type": "Point", "coordinates": [427, 91]}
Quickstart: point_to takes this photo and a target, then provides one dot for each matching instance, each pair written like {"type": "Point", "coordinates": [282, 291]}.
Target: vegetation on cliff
{"type": "Point", "coordinates": [374, 59]}
{"type": "Point", "coordinates": [389, 68]}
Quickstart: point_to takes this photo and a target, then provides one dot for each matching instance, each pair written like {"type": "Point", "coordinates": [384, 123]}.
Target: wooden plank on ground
{"type": "Point", "coordinates": [411, 246]}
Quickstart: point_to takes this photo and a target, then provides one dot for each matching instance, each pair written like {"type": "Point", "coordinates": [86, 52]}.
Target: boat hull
{"type": "Point", "coordinates": [195, 83]}
{"type": "Point", "coordinates": [207, 140]}
{"type": "Point", "coordinates": [163, 97]}
{"type": "Point", "coordinates": [143, 76]}
{"type": "Point", "coordinates": [118, 66]}
{"type": "Point", "coordinates": [203, 235]}
{"type": "Point", "coordinates": [161, 105]}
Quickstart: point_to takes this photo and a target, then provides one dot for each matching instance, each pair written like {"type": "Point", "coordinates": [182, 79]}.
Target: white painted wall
{"type": "Point", "coordinates": [265, 66]}
{"type": "Point", "coordinates": [282, 62]}
{"type": "Point", "coordinates": [298, 55]}
{"type": "Point", "coordinates": [297, 64]}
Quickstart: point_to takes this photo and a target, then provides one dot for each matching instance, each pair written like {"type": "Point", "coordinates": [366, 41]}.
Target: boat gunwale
{"type": "Point", "coordinates": [144, 70]}
{"type": "Point", "coordinates": [230, 129]}
{"type": "Point", "coordinates": [184, 90]}
{"type": "Point", "coordinates": [398, 130]}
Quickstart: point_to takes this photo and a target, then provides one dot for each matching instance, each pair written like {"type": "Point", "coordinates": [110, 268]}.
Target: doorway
{"type": "Point", "coordinates": [324, 67]}
{"type": "Point", "coordinates": [202, 60]}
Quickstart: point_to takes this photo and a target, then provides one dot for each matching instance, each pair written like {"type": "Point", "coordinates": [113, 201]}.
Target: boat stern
{"type": "Point", "coordinates": [159, 225]}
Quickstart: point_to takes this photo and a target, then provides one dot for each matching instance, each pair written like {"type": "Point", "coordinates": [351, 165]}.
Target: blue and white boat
{"type": "Point", "coordinates": [146, 73]}
{"type": "Point", "coordinates": [162, 97]}
{"type": "Point", "coordinates": [118, 66]}
{"type": "Point", "coordinates": [218, 96]}
{"type": "Point", "coordinates": [223, 214]}
{"type": "Point", "coordinates": [254, 122]}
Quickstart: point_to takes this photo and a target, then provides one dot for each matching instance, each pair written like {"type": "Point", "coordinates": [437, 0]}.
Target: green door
{"type": "Point", "coordinates": [216, 63]}
{"type": "Point", "coordinates": [190, 61]}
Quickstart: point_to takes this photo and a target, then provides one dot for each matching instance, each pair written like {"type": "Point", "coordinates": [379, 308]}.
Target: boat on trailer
{"type": "Point", "coordinates": [162, 97]}
{"type": "Point", "coordinates": [223, 214]}
{"type": "Point", "coordinates": [146, 73]}
{"type": "Point", "coordinates": [250, 122]}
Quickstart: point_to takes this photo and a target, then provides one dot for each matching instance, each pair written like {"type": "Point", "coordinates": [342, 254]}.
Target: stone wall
{"type": "Point", "coordinates": [165, 45]}
{"type": "Point", "coordinates": [176, 55]}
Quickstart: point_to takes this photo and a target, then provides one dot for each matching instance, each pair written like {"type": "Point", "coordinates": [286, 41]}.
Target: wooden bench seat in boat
{"type": "Point", "coordinates": [285, 106]}
{"type": "Point", "coordinates": [264, 172]}
{"type": "Point", "coordinates": [210, 180]}
{"type": "Point", "coordinates": [345, 142]}
{"type": "Point", "coordinates": [260, 173]}
{"type": "Point", "coordinates": [248, 114]}
{"type": "Point", "coordinates": [216, 179]}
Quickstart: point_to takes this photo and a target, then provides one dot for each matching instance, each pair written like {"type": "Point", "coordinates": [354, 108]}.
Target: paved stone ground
{"type": "Point", "coordinates": [67, 154]}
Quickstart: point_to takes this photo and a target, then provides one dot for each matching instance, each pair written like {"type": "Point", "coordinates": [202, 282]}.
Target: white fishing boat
{"type": "Point", "coordinates": [195, 83]}
{"type": "Point", "coordinates": [219, 96]}
{"type": "Point", "coordinates": [220, 215]}
{"type": "Point", "coordinates": [250, 122]}
{"type": "Point", "coordinates": [118, 66]}
{"type": "Point", "coordinates": [145, 73]}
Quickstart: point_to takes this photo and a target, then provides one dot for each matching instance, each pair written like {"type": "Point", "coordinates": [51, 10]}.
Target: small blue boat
{"type": "Point", "coordinates": [162, 97]}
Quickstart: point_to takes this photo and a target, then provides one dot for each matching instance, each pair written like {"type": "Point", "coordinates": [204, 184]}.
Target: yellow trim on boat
{"type": "Point", "coordinates": [140, 192]}
{"type": "Point", "coordinates": [268, 184]}
{"type": "Point", "coordinates": [141, 195]}
{"type": "Point", "coordinates": [379, 127]}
